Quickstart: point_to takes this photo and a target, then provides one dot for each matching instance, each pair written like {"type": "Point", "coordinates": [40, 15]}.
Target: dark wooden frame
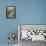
{"type": "Point", "coordinates": [7, 15]}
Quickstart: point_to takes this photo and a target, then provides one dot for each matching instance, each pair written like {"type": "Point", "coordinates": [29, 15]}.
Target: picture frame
{"type": "Point", "coordinates": [34, 30]}
{"type": "Point", "coordinates": [10, 12]}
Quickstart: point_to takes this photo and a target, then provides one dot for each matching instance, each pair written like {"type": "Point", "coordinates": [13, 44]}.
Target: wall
{"type": "Point", "coordinates": [6, 25]}
{"type": "Point", "coordinates": [31, 11]}
{"type": "Point", "coordinates": [27, 12]}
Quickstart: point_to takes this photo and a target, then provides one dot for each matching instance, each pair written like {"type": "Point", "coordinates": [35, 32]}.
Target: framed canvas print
{"type": "Point", "coordinates": [10, 12]}
{"type": "Point", "coordinates": [32, 32]}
